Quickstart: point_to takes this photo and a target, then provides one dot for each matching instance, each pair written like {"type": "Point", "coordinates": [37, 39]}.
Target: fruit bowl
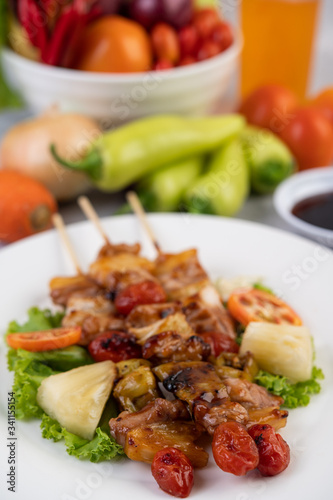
{"type": "Point", "coordinates": [189, 90]}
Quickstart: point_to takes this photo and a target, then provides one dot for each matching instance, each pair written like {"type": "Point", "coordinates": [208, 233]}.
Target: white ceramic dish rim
{"type": "Point", "coordinates": [301, 179]}
{"type": "Point", "coordinates": [84, 76]}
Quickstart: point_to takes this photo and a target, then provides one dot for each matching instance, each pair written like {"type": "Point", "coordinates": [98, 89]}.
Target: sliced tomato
{"type": "Point", "coordinates": [45, 340]}
{"type": "Point", "coordinates": [250, 304]}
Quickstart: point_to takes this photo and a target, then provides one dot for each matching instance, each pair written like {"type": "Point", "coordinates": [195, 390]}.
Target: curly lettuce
{"type": "Point", "coordinates": [294, 395]}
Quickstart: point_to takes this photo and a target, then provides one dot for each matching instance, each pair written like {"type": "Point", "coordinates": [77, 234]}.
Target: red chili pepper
{"type": "Point", "coordinates": [34, 22]}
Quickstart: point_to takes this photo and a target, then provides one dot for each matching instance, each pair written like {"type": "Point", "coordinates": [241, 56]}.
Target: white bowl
{"type": "Point", "coordinates": [299, 187]}
{"type": "Point", "coordinates": [190, 90]}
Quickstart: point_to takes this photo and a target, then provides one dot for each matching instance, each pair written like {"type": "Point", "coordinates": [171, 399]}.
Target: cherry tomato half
{"type": "Point", "coordinates": [188, 41]}
{"type": "Point", "coordinates": [234, 450]}
{"type": "Point", "coordinates": [115, 346]}
{"type": "Point", "coordinates": [173, 472]}
{"type": "Point", "coordinates": [249, 304]}
{"type": "Point", "coordinates": [147, 292]}
{"type": "Point", "coordinates": [219, 342]}
{"type": "Point", "coordinates": [222, 35]}
{"type": "Point", "coordinates": [274, 452]}
{"type": "Point", "coordinates": [204, 21]}
{"type": "Point", "coordinates": [46, 340]}
{"type": "Point", "coordinates": [269, 106]}
{"type": "Point", "coordinates": [309, 135]}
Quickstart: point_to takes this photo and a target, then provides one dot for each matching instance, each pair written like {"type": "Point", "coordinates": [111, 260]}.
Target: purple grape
{"type": "Point", "coordinates": [177, 12]}
{"type": "Point", "coordinates": [146, 12]}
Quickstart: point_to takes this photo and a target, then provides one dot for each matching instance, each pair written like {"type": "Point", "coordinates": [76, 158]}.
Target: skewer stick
{"type": "Point", "coordinates": [138, 209]}
{"type": "Point", "coordinates": [91, 214]}
{"type": "Point", "coordinates": [59, 224]}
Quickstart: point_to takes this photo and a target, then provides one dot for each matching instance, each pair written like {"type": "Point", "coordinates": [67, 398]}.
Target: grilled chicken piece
{"type": "Point", "coordinates": [93, 314]}
{"type": "Point", "coordinates": [205, 312]}
{"type": "Point", "coordinates": [198, 384]}
{"type": "Point", "coordinates": [147, 314]}
{"type": "Point", "coordinates": [120, 270]}
{"type": "Point", "coordinates": [181, 275]}
{"type": "Point", "coordinates": [250, 395]}
{"type": "Point", "coordinates": [159, 425]}
{"type": "Point", "coordinates": [62, 288]}
{"type": "Point", "coordinates": [170, 346]}
{"type": "Point", "coordinates": [136, 389]}
{"type": "Point", "coordinates": [174, 322]}
{"type": "Point", "coordinates": [110, 250]}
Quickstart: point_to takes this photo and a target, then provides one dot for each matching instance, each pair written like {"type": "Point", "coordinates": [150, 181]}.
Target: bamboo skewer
{"type": "Point", "coordinates": [59, 224]}
{"type": "Point", "coordinates": [91, 214]}
{"type": "Point", "coordinates": [138, 209]}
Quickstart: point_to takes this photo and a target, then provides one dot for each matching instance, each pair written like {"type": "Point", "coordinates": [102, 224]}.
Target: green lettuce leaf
{"type": "Point", "coordinates": [101, 447]}
{"type": "Point", "coordinates": [294, 395]}
{"type": "Point", "coordinates": [38, 320]}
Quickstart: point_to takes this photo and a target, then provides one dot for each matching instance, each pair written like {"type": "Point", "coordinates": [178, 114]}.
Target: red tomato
{"type": "Point", "coordinates": [173, 472]}
{"type": "Point", "coordinates": [219, 342]}
{"type": "Point", "coordinates": [46, 340]}
{"type": "Point", "coordinates": [222, 35]}
{"type": "Point", "coordinates": [188, 41]}
{"type": "Point", "coordinates": [270, 106]}
{"type": "Point", "coordinates": [274, 452]}
{"type": "Point", "coordinates": [162, 64]}
{"type": "Point", "coordinates": [204, 21]}
{"type": "Point", "coordinates": [165, 42]}
{"type": "Point", "coordinates": [249, 304]}
{"type": "Point", "coordinates": [147, 292]}
{"type": "Point", "coordinates": [309, 135]}
{"type": "Point", "coordinates": [324, 102]}
{"type": "Point", "coordinates": [115, 346]}
{"type": "Point", "coordinates": [207, 50]}
{"type": "Point", "coordinates": [234, 450]}
{"type": "Point", "coordinates": [185, 61]}
{"type": "Point", "coordinates": [114, 44]}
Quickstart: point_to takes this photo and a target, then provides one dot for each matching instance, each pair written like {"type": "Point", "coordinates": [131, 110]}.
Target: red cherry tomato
{"type": "Point", "coordinates": [270, 106]}
{"type": "Point", "coordinates": [162, 64]}
{"type": "Point", "coordinates": [185, 61]}
{"type": "Point", "coordinates": [222, 35]}
{"type": "Point", "coordinates": [204, 21]}
{"type": "Point", "coordinates": [274, 452]}
{"type": "Point", "coordinates": [309, 135]}
{"type": "Point", "coordinates": [234, 450]}
{"type": "Point", "coordinates": [115, 346]}
{"type": "Point", "coordinates": [147, 292]}
{"type": "Point", "coordinates": [219, 342]}
{"type": "Point", "coordinates": [188, 41]}
{"type": "Point", "coordinates": [173, 472]}
{"type": "Point", "coordinates": [165, 43]}
{"type": "Point", "coordinates": [207, 50]}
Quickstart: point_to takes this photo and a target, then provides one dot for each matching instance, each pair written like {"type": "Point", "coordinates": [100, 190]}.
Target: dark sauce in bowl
{"type": "Point", "coordinates": [316, 210]}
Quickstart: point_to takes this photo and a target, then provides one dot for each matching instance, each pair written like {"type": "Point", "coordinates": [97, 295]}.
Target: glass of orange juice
{"type": "Point", "coordinates": [278, 42]}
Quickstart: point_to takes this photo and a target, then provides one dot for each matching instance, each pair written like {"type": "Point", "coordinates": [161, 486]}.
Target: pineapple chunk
{"type": "Point", "coordinates": [76, 398]}
{"type": "Point", "coordinates": [280, 349]}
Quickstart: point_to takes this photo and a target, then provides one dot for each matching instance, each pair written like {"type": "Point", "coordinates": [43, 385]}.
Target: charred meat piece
{"type": "Point", "coordinates": [174, 322]}
{"type": "Point", "coordinates": [181, 275]}
{"type": "Point", "coordinates": [121, 270]}
{"type": "Point", "coordinates": [63, 288]}
{"type": "Point", "coordinates": [159, 425]}
{"type": "Point", "coordinates": [136, 389]}
{"type": "Point", "coordinates": [250, 395]}
{"type": "Point", "coordinates": [212, 414]}
{"type": "Point", "coordinates": [170, 346]}
{"type": "Point", "coordinates": [94, 314]}
{"type": "Point", "coordinates": [147, 314]}
{"type": "Point", "coordinates": [110, 250]}
{"type": "Point", "coordinates": [206, 313]}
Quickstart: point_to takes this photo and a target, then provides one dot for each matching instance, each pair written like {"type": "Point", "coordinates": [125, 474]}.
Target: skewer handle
{"type": "Point", "coordinates": [138, 209]}
{"type": "Point", "coordinates": [91, 214]}
{"type": "Point", "coordinates": [59, 224]}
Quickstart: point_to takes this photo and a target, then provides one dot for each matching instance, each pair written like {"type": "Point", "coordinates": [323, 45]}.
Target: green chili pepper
{"type": "Point", "coordinates": [223, 189]}
{"type": "Point", "coordinates": [123, 156]}
{"type": "Point", "coordinates": [163, 190]}
{"type": "Point", "coordinates": [269, 159]}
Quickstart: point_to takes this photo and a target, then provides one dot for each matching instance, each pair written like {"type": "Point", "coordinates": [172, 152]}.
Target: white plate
{"type": "Point", "coordinates": [299, 270]}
